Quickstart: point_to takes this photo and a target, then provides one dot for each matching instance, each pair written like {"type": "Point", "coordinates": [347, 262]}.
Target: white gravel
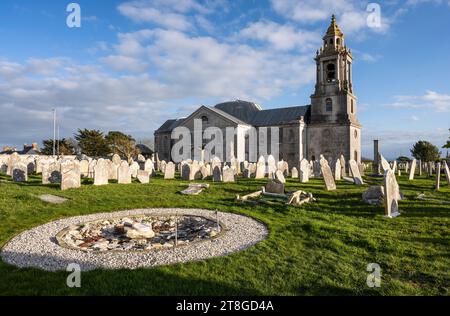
{"type": "Point", "coordinates": [38, 247]}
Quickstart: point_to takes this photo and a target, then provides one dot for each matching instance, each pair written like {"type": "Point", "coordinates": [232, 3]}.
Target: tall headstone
{"type": "Point", "coordinates": [305, 170]}
{"type": "Point", "coordinates": [376, 162]}
{"type": "Point", "coordinates": [228, 174]}
{"type": "Point", "coordinates": [447, 173]}
{"type": "Point", "coordinates": [412, 170]}
{"type": "Point", "coordinates": [101, 172]}
{"type": "Point", "coordinates": [343, 166]}
{"type": "Point", "coordinates": [134, 168]}
{"type": "Point", "coordinates": [391, 194]}
{"type": "Point", "coordinates": [384, 163]}
{"type": "Point", "coordinates": [91, 172]}
{"type": "Point", "coordinates": [260, 168]}
{"type": "Point", "coordinates": [271, 166]}
{"type": "Point", "coordinates": [84, 167]}
{"type": "Point", "coordinates": [124, 173]}
{"type": "Point", "coordinates": [12, 160]}
{"type": "Point", "coordinates": [420, 167]}
{"type": "Point", "coordinates": [70, 174]}
{"type": "Point", "coordinates": [294, 173]}
{"type": "Point", "coordinates": [112, 170]}
{"type": "Point", "coordinates": [328, 178]}
{"type": "Point", "coordinates": [438, 175]}
{"type": "Point", "coordinates": [354, 170]}
{"type": "Point", "coordinates": [337, 170]}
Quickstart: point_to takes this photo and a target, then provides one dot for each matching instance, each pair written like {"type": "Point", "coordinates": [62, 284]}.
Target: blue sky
{"type": "Point", "coordinates": [134, 64]}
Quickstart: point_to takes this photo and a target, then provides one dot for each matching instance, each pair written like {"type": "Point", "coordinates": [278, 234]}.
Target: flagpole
{"type": "Point", "coordinates": [54, 132]}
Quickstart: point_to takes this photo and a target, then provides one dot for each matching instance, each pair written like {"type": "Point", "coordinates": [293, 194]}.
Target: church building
{"type": "Point", "coordinates": [328, 126]}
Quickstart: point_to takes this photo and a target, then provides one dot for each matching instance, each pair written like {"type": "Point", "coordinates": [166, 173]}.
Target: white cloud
{"type": "Point", "coordinates": [431, 100]}
{"type": "Point", "coordinates": [282, 37]}
{"type": "Point", "coordinates": [124, 63]}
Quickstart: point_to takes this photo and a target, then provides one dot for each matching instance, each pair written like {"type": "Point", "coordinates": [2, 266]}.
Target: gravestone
{"type": "Point", "coordinates": [328, 178]}
{"type": "Point", "coordinates": [149, 166]}
{"type": "Point", "coordinates": [273, 186]}
{"type": "Point", "coordinates": [279, 176]}
{"type": "Point", "coordinates": [337, 170]}
{"type": "Point", "coordinates": [305, 170]}
{"type": "Point", "coordinates": [143, 176]}
{"type": "Point", "coordinates": [412, 170]}
{"type": "Point", "coordinates": [217, 174]}
{"type": "Point", "coordinates": [294, 173]}
{"type": "Point", "coordinates": [12, 160]}
{"type": "Point", "coordinates": [394, 166]}
{"type": "Point", "coordinates": [101, 172]}
{"type": "Point", "coordinates": [19, 172]}
{"type": "Point", "coordinates": [316, 168]}
{"type": "Point", "coordinates": [283, 166]}
{"type": "Point", "coordinates": [70, 174]}
{"type": "Point", "coordinates": [112, 170]}
{"type": "Point", "coordinates": [84, 168]}
{"type": "Point", "coordinates": [354, 171]}
{"type": "Point", "coordinates": [204, 171]}
{"type": "Point", "coordinates": [195, 171]}
{"type": "Point", "coordinates": [116, 160]}
{"type": "Point", "coordinates": [169, 172]}
{"type": "Point", "coordinates": [384, 163]}
{"type": "Point", "coordinates": [124, 173]}
{"type": "Point", "coordinates": [260, 168]}
{"type": "Point", "coordinates": [271, 166]}
{"type": "Point", "coordinates": [228, 174]}
{"type": "Point", "coordinates": [134, 168]}
{"type": "Point", "coordinates": [91, 171]}
{"type": "Point", "coordinates": [51, 173]}
{"type": "Point", "coordinates": [162, 165]}
{"type": "Point", "coordinates": [343, 166]}
{"type": "Point", "coordinates": [420, 167]}
{"type": "Point", "coordinates": [447, 173]}
{"type": "Point", "coordinates": [185, 172]}
{"type": "Point", "coordinates": [391, 194]}
{"type": "Point", "coordinates": [430, 168]}
{"type": "Point", "coordinates": [438, 175]}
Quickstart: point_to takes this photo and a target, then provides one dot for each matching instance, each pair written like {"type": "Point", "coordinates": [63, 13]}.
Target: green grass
{"type": "Point", "coordinates": [321, 248]}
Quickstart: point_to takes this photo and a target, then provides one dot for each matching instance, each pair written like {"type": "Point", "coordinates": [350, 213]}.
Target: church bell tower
{"type": "Point", "coordinates": [333, 104]}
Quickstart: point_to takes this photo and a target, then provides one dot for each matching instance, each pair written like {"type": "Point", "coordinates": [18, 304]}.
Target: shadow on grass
{"type": "Point", "coordinates": [158, 281]}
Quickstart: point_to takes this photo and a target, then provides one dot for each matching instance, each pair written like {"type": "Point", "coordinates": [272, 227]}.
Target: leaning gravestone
{"type": "Point", "coordinates": [354, 170]}
{"type": "Point", "coordinates": [447, 173]}
{"type": "Point", "coordinates": [228, 174]}
{"type": "Point", "coordinates": [328, 178]}
{"type": "Point", "coordinates": [391, 194]}
{"type": "Point", "coordinates": [19, 172]}
{"type": "Point", "coordinates": [124, 173]}
{"type": "Point", "coordinates": [412, 170]}
{"type": "Point", "coordinates": [70, 175]}
{"type": "Point", "coordinates": [384, 163]}
{"type": "Point", "coordinates": [279, 176]}
{"type": "Point", "coordinates": [169, 172]}
{"type": "Point", "coordinates": [143, 176]}
{"type": "Point", "coordinates": [305, 169]}
{"type": "Point", "coordinates": [101, 172]}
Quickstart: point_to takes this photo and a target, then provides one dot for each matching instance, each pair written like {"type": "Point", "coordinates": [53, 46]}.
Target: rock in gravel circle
{"type": "Point", "coordinates": [39, 247]}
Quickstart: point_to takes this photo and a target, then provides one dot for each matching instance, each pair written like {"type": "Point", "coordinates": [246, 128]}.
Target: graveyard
{"type": "Point", "coordinates": [317, 248]}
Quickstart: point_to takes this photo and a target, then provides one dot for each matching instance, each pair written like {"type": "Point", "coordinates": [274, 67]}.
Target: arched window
{"type": "Point", "coordinates": [356, 155]}
{"type": "Point", "coordinates": [338, 41]}
{"type": "Point", "coordinates": [204, 119]}
{"type": "Point", "coordinates": [331, 72]}
{"type": "Point", "coordinates": [329, 105]}
{"type": "Point", "coordinates": [331, 41]}
{"type": "Point", "coordinates": [352, 110]}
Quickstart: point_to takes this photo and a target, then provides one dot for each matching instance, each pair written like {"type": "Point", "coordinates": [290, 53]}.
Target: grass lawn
{"type": "Point", "coordinates": [321, 248]}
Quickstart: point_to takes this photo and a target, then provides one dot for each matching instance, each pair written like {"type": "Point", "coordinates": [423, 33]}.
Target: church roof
{"type": "Point", "coordinates": [279, 116]}
{"type": "Point", "coordinates": [169, 125]}
{"type": "Point", "coordinates": [243, 110]}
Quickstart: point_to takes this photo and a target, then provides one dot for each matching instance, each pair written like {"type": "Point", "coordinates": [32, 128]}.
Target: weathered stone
{"type": "Point", "coordinates": [84, 168]}
{"type": "Point", "coordinates": [149, 166]}
{"type": "Point", "coordinates": [19, 172]}
{"type": "Point", "coordinates": [124, 173]}
{"type": "Point", "coordinates": [305, 170]}
{"type": "Point", "coordinates": [328, 178]}
{"type": "Point", "coordinates": [228, 174]}
{"type": "Point", "coordinates": [139, 231]}
{"type": "Point", "coordinates": [169, 172]}
{"type": "Point", "coordinates": [260, 168]}
{"type": "Point", "coordinates": [143, 176]}
{"type": "Point", "coordinates": [412, 170]}
{"type": "Point", "coordinates": [392, 193]}
{"type": "Point", "coordinates": [112, 170]}
{"type": "Point", "coordinates": [194, 189]}
{"type": "Point", "coordinates": [294, 173]}
{"type": "Point", "coordinates": [279, 176]}
{"type": "Point", "coordinates": [438, 175]}
{"type": "Point", "coordinates": [134, 168]}
{"type": "Point", "coordinates": [374, 195]}
{"type": "Point", "coordinates": [384, 163]}
{"type": "Point", "coordinates": [116, 160]}
{"type": "Point", "coordinates": [53, 199]}
{"type": "Point", "coordinates": [101, 172]}
{"type": "Point", "coordinates": [354, 170]}
{"type": "Point", "coordinates": [271, 166]}
{"type": "Point", "coordinates": [337, 170]}
{"type": "Point", "coordinates": [447, 173]}
{"type": "Point", "coordinates": [274, 187]}
{"type": "Point", "coordinates": [343, 166]}
{"type": "Point", "coordinates": [186, 172]}
{"type": "Point", "coordinates": [70, 174]}
{"type": "Point", "coordinates": [51, 173]}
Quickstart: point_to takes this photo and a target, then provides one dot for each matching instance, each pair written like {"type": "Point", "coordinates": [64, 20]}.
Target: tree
{"type": "Point", "coordinates": [121, 144]}
{"type": "Point", "coordinates": [92, 143]}
{"type": "Point", "coordinates": [65, 147]}
{"type": "Point", "coordinates": [403, 159]}
{"type": "Point", "coordinates": [425, 151]}
{"type": "Point", "coordinates": [447, 145]}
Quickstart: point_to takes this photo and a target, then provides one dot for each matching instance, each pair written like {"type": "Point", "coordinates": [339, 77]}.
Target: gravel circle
{"type": "Point", "coordinates": [38, 247]}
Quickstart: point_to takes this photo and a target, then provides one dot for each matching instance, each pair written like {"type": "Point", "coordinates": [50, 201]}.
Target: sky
{"type": "Point", "coordinates": [134, 64]}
